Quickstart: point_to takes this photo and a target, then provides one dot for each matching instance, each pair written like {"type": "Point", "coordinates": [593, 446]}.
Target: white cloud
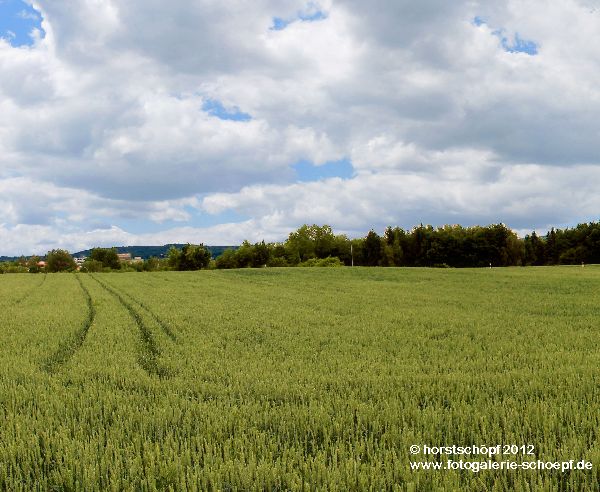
{"type": "Point", "coordinates": [518, 192]}
{"type": "Point", "coordinates": [101, 120]}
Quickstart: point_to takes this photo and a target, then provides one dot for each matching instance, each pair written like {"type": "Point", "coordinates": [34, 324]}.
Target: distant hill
{"type": "Point", "coordinates": [157, 251]}
{"type": "Point", "coordinates": [9, 258]}
{"type": "Point", "coordinates": [143, 251]}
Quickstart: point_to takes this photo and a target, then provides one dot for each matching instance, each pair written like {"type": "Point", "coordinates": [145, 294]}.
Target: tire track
{"type": "Point", "coordinates": [68, 347]}
{"type": "Point", "coordinates": [163, 326]}
{"type": "Point", "coordinates": [148, 357]}
{"type": "Point", "coordinates": [30, 291]}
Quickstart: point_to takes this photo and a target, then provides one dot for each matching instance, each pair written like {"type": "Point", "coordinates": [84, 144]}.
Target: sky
{"type": "Point", "coordinates": [152, 122]}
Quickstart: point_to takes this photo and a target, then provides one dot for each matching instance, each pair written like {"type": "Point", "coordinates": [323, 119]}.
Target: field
{"type": "Point", "coordinates": [296, 379]}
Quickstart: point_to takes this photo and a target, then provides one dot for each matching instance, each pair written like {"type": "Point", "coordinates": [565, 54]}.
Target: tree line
{"type": "Point", "coordinates": [314, 245]}
{"type": "Point", "coordinates": [422, 246]}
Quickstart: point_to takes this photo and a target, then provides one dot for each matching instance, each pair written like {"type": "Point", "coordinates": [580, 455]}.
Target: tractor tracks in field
{"type": "Point", "coordinates": [161, 323]}
{"type": "Point", "coordinates": [30, 291]}
{"type": "Point", "coordinates": [68, 347]}
{"type": "Point", "coordinates": [150, 352]}
{"type": "Point", "coordinates": [163, 326]}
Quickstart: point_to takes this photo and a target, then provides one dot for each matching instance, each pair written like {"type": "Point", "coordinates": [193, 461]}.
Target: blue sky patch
{"type": "Point", "coordinates": [312, 17]}
{"type": "Point", "coordinates": [517, 45]}
{"type": "Point", "coordinates": [216, 108]}
{"type": "Point", "coordinates": [307, 171]}
{"type": "Point", "coordinates": [17, 20]}
{"type": "Point", "coordinates": [279, 23]}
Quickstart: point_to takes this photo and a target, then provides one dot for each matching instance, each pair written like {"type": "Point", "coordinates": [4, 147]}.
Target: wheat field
{"type": "Point", "coordinates": [296, 379]}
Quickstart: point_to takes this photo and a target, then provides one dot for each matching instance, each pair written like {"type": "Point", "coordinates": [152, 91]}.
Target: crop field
{"type": "Point", "coordinates": [297, 379]}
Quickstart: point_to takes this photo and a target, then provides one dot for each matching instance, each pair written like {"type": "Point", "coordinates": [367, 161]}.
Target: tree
{"type": "Point", "coordinates": [191, 257]}
{"type": "Point", "coordinates": [59, 260]}
{"type": "Point", "coordinates": [324, 240]}
{"type": "Point", "coordinates": [278, 256]}
{"type": "Point", "coordinates": [372, 254]}
{"type": "Point", "coordinates": [262, 253]}
{"type": "Point", "coordinates": [535, 250]}
{"type": "Point", "coordinates": [417, 245]}
{"type": "Point", "coordinates": [393, 254]}
{"type": "Point", "coordinates": [341, 249]}
{"type": "Point", "coordinates": [107, 256]}
{"type": "Point", "coordinates": [227, 259]}
{"type": "Point", "coordinates": [551, 248]}
{"type": "Point", "coordinates": [301, 244]}
{"type": "Point", "coordinates": [152, 264]}
{"type": "Point", "coordinates": [174, 257]}
{"type": "Point", "coordinates": [245, 255]}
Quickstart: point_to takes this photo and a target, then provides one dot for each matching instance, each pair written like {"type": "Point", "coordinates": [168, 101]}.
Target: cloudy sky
{"type": "Point", "coordinates": [148, 122]}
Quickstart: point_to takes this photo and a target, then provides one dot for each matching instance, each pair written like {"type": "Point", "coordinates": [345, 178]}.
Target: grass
{"type": "Point", "coordinates": [296, 379]}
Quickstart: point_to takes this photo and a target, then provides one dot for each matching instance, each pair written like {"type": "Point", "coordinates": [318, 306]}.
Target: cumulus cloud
{"type": "Point", "coordinates": [106, 118]}
{"type": "Point", "coordinates": [517, 193]}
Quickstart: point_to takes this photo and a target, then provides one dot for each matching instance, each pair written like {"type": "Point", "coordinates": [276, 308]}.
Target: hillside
{"type": "Point", "coordinates": [158, 251]}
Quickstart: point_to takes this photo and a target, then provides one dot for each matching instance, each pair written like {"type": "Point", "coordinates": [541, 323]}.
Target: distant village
{"type": "Point", "coordinates": [123, 258]}
{"type": "Point", "coordinates": [79, 260]}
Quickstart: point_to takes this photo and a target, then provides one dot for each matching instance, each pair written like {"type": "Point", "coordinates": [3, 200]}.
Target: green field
{"type": "Point", "coordinates": [296, 379]}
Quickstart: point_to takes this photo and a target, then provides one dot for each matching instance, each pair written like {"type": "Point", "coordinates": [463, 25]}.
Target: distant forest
{"type": "Point", "coordinates": [425, 246]}
{"type": "Point", "coordinates": [313, 245]}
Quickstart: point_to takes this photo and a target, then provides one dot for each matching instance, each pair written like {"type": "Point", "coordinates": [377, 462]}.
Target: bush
{"type": "Point", "coordinates": [191, 257]}
{"type": "Point", "coordinates": [228, 259]}
{"type": "Point", "coordinates": [136, 266]}
{"type": "Point", "coordinates": [277, 262]}
{"type": "Point", "coordinates": [107, 256]}
{"type": "Point", "coordinates": [59, 260]}
{"type": "Point", "coordinates": [15, 269]}
{"type": "Point", "coordinates": [330, 261]}
{"type": "Point", "coordinates": [91, 266]}
{"type": "Point", "coordinates": [152, 264]}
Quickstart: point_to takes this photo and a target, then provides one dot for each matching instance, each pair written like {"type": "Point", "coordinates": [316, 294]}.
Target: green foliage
{"type": "Point", "coordinates": [372, 250]}
{"type": "Point", "coordinates": [245, 255]}
{"type": "Point", "coordinates": [322, 262]}
{"type": "Point", "coordinates": [308, 242]}
{"type": "Point", "coordinates": [190, 257]}
{"type": "Point", "coordinates": [13, 267]}
{"type": "Point", "coordinates": [447, 246]}
{"type": "Point", "coordinates": [59, 260]}
{"type": "Point", "coordinates": [228, 259]}
{"type": "Point", "coordinates": [573, 246]}
{"type": "Point", "coordinates": [261, 254]}
{"type": "Point", "coordinates": [107, 257]}
{"type": "Point", "coordinates": [301, 244]}
{"type": "Point", "coordinates": [277, 261]}
{"type": "Point", "coordinates": [453, 246]}
{"type": "Point", "coordinates": [311, 242]}
{"type": "Point", "coordinates": [152, 264]}
{"type": "Point", "coordinates": [91, 266]}
{"type": "Point", "coordinates": [174, 257]}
